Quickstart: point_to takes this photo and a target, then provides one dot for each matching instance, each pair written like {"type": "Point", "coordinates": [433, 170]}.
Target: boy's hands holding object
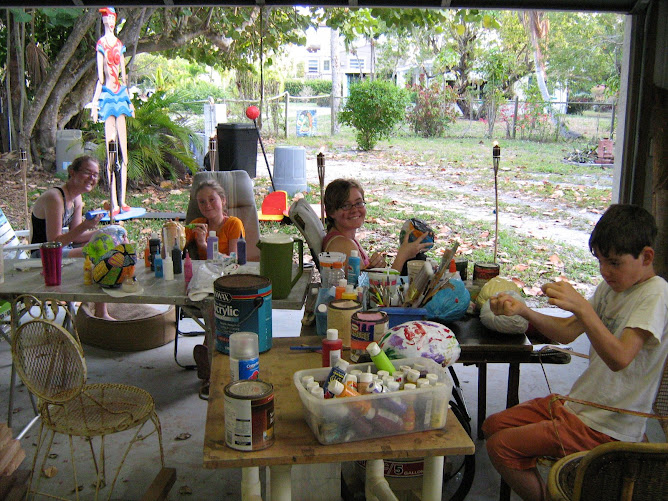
{"type": "Point", "coordinates": [564, 295]}
{"type": "Point", "coordinates": [505, 304]}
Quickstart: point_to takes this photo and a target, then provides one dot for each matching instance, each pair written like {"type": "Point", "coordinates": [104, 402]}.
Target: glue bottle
{"type": "Point", "coordinates": [380, 358]}
{"type": "Point", "coordinates": [212, 245]}
{"type": "Point", "coordinates": [331, 348]}
{"type": "Point", "coordinates": [168, 267]}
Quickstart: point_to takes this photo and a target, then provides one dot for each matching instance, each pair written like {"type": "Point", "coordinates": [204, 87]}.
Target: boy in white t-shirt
{"type": "Point", "coordinates": [626, 322]}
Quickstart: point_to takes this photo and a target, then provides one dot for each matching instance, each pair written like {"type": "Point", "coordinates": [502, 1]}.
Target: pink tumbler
{"type": "Point", "coordinates": [52, 260]}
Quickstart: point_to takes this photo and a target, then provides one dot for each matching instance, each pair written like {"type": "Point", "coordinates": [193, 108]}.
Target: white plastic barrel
{"type": "Point", "coordinates": [290, 169]}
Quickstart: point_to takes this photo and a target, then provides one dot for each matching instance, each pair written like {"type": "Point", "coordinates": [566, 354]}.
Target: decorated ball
{"type": "Point", "coordinates": [415, 227]}
{"type": "Point", "coordinates": [114, 266]}
{"type": "Point", "coordinates": [421, 339]}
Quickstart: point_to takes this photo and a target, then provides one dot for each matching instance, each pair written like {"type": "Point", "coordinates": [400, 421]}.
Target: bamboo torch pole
{"type": "Point", "coordinates": [24, 174]}
{"type": "Point", "coordinates": [321, 179]}
{"type": "Point", "coordinates": [496, 156]}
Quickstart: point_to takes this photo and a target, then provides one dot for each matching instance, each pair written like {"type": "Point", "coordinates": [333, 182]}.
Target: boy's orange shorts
{"type": "Point", "coordinates": [518, 436]}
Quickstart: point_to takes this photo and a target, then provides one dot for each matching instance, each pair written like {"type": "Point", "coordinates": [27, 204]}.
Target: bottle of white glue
{"type": "Point", "coordinates": [244, 356]}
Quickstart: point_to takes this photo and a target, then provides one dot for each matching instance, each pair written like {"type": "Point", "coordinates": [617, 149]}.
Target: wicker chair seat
{"type": "Point", "coordinates": [100, 409]}
{"type": "Point", "coordinates": [565, 470]}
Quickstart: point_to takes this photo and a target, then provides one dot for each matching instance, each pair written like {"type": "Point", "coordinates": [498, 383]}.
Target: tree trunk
{"type": "Point", "coordinates": [36, 109]}
{"type": "Point", "coordinates": [336, 80]}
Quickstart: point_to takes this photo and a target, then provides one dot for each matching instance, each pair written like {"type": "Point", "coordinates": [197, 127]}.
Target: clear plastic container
{"type": "Point", "coordinates": [349, 419]}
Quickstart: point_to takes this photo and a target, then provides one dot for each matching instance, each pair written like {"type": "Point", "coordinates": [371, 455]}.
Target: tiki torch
{"type": "Point", "coordinates": [321, 179]}
{"type": "Point", "coordinates": [496, 156]}
{"type": "Point", "coordinates": [24, 173]}
{"type": "Point", "coordinates": [111, 173]}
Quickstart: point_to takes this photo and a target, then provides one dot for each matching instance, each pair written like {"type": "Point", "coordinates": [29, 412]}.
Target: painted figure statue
{"type": "Point", "coordinates": [111, 104]}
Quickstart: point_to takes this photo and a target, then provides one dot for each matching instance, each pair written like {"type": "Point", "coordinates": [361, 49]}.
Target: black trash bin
{"type": "Point", "coordinates": [237, 147]}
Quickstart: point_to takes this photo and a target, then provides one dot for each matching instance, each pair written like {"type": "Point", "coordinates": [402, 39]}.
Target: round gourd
{"type": "Point", "coordinates": [494, 287]}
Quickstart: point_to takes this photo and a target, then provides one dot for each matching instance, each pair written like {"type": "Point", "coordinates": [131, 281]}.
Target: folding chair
{"type": "Point", "coordinates": [240, 203]}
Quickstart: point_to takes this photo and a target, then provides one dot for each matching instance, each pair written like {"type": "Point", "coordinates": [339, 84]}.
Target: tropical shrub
{"type": "Point", "coordinates": [434, 109]}
{"type": "Point", "coordinates": [373, 107]}
{"type": "Point", "coordinates": [158, 145]}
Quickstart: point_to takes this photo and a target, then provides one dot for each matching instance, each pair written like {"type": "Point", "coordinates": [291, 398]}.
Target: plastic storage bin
{"type": "Point", "coordinates": [397, 315]}
{"type": "Point", "coordinates": [69, 145]}
{"type": "Point", "coordinates": [339, 420]}
{"type": "Point", "coordinates": [237, 147]}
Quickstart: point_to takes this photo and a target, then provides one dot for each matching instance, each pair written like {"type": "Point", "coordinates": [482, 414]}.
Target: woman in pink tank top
{"type": "Point", "coordinates": [346, 212]}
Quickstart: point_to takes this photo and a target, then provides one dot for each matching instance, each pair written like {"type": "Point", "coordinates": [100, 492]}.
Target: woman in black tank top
{"type": "Point", "coordinates": [61, 207]}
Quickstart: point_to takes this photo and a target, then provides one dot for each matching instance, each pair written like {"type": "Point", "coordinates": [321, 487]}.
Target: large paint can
{"type": "Point", "coordinates": [249, 415]}
{"type": "Point", "coordinates": [242, 303]}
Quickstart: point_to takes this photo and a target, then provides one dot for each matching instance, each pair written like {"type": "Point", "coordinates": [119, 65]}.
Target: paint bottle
{"type": "Point", "coordinates": [354, 264]}
{"type": "Point", "coordinates": [157, 265]}
{"type": "Point", "coordinates": [241, 250]}
{"type": "Point", "coordinates": [187, 268]}
{"type": "Point", "coordinates": [168, 268]}
{"type": "Point", "coordinates": [351, 380]}
{"type": "Point", "coordinates": [244, 356]}
{"type": "Point", "coordinates": [177, 261]}
{"type": "Point", "coordinates": [337, 373]}
{"type": "Point", "coordinates": [154, 249]}
{"type": "Point", "coordinates": [331, 348]}
{"type": "Point", "coordinates": [318, 392]}
{"type": "Point", "coordinates": [87, 271]}
{"type": "Point", "coordinates": [147, 254]}
{"type": "Point", "coordinates": [363, 381]}
{"type": "Point", "coordinates": [384, 420]}
{"type": "Point", "coordinates": [454, 273]}
{"type": "Point", "coordinates": [211, 245]}
{"type": "Point", "coordinates": [340, 289]}
{"type": "Point", "coordinates": [349, 293]}
{"type": "Point", "coordinates": [340, 390]}
{"type": "Point", "coordinates": [306, 380]}
{"type": "Point", "coordinates": [380, 358]}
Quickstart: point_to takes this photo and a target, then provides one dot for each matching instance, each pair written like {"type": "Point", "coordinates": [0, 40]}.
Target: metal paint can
{"type": "Point", "coordinates": [249, 415]}
{"type": "Point", "coordinates": [462, 265]}
{"type": "Point", "coordinates": [485, 271]}
{"type": "Point", "coordinates": [367, 327]}
{"type": "Point", "coordinates": [242, 303]}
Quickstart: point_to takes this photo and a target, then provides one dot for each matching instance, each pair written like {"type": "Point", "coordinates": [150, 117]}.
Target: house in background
{"type": "Point", "coordinates": [313, 61]}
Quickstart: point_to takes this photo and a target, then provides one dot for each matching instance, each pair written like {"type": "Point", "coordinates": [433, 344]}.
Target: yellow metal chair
{"type": "Point", "coordinates": [50, 361]}
{"type": "Point", "coordinates": [622, 471]}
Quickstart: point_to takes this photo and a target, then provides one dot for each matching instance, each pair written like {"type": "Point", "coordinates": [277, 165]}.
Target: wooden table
{"type": "Point", "coordinates": [296, 444]}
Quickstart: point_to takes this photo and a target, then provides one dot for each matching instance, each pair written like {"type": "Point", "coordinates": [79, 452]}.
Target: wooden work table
{"type": "Point", "coordinates": [294, 442]}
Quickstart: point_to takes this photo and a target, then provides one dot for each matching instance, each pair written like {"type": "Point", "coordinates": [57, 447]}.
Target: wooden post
{"type": "Point", "coordinates": [496, 156]}
{"type": "Point", "coordinates": [287, 104]}
{"type": "Point", "coordinates": [24, 175]}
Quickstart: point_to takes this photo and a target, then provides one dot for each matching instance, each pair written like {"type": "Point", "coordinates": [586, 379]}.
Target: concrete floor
{"type": "Point", "coordinates": [183, 415]}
